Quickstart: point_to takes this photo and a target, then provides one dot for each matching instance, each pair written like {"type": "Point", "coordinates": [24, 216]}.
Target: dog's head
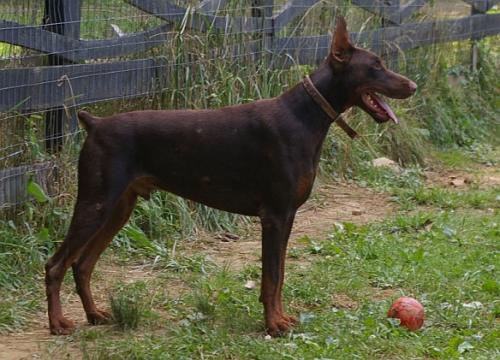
{"type": "Point", "coordinates": [365, 75]}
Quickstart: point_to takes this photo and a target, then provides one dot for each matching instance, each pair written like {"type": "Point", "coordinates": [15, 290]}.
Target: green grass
{"type": "Point", "coordinates": [445, 260]}
{"type": "Point", "coordinates": [483, 153]}
{"type": "Point", "coordinates": [449, 199]}
{"type": "Point", "coordinates": [24, 248]}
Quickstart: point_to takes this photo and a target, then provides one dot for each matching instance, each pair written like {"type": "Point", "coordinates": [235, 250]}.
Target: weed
{"type": "Point", "coordinates": [129, 305]}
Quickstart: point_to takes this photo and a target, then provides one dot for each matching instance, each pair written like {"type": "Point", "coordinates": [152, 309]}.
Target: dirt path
{"type": "Point", "coordinates": [482, 176]}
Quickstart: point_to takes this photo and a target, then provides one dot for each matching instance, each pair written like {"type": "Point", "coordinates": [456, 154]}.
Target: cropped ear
{"type": "Point", "coordinates": [341, 49]}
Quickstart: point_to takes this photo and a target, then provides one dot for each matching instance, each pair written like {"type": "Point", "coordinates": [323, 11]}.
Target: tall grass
{"type": "Point", "coordinates": [458, 106]}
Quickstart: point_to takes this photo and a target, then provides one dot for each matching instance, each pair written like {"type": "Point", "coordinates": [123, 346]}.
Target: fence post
{"type": "Point", "coordinates": [269, 31]}
{"type": "Point", "coordinates": [474, 40]}
{"type": "Point", "coordinates": [391, 10]}
{"type": "Point", "coordinates": [263, 9]}
{"type": "Point", "coordinates": [62, 17]}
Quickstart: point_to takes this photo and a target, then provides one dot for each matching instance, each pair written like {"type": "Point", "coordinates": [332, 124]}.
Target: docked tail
{"type": "Point", "coordinates": [88, 121]}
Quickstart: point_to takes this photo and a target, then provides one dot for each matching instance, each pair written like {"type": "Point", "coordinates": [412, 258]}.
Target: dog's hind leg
{"type": "Point", "coordinates": [83, 267]}
{"type": "Point", "coordinates": [85, 223]}
{"type": "Point", "coordinates": [99, 189]}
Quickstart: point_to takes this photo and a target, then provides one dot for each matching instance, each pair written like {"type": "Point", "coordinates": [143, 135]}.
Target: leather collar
{"type": "Point", "coordinates": [327, 108]}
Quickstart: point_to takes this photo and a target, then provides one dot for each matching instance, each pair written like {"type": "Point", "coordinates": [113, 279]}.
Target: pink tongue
{"type": "Point", "coordinates": [387, 109]}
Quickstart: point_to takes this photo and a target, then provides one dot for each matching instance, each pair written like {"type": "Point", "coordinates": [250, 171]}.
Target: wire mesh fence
{"type": "Point", "coordinates": [58, 56]}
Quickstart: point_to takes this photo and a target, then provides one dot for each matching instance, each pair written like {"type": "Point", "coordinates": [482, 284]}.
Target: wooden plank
{"type": "Point", "coordinates": [36, 38]}
{"type": "Point", "coordinates": [302, 50]}
{"type": "Point", "coordinates": [291, 10]}
{"type": "Point", "coordinates": [162, 9]}
{"type": "Point", "coordinates": [248, 50]}
{"type": "Point", "coordinates": [37, 88]}
{"type": "Point", "coordinates": [388, 9]}
{"type": "Point", "coordinates": [415, 35]}
{"type": "Point", "coordinates": [128, 44]}
{"type": "Point", "coordinates": [212, 6]}
{"type": "Point", "coordinates": [482, 6]}
{"type": "Point", "coordinates": [41, 88]}
{"type": "Point", "coordinates": [311, 49]}
{"type": "Point", "coordinates": [410, 8]}
{"type": "Point", "coordinates": [14, 182]}
{"type": "Point", "coordinates": [47, 87]}
{"type": "Point", "coordinates": [198, 21]}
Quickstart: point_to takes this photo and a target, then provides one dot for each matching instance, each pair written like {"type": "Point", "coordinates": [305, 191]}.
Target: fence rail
{"type": "Point", "coordinates": [80, 71]}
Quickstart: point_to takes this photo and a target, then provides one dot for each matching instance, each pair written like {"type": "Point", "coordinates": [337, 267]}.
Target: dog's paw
{"type": "Point", "coordinates": [291, 319]}
{"type": "Point", "coordinates": [98, 317]}
{"type": "Point", "coordinates": [62, 326]}
{"type": "Point", "coordinates": [280, 325]}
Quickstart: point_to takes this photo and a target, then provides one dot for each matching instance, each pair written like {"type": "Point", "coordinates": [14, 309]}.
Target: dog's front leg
{"type": "Point", "coordinates": [275, 232]}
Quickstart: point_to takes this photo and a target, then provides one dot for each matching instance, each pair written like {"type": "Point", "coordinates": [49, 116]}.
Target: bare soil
{"type": "Point", "coordinates": [483, 177]}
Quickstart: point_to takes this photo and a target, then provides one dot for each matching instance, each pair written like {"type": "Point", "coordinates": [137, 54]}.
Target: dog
{"type": "Point", "coordinates": [257, 159]}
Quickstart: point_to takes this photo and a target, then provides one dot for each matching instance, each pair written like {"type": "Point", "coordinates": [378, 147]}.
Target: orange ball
{"type": "Point", "coordinates": [409, 311]}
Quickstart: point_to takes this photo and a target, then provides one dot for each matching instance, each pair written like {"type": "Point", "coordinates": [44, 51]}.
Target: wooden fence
{"type": "Point", "coordinates": [73, 77]}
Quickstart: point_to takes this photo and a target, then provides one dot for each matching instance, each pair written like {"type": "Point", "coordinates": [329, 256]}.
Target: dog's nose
{"type": "Point", "coordinates": [412, 86]}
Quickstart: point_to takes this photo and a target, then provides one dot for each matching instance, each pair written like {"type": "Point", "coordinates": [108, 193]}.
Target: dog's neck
{"type": "Point", "coordinates": [313, 120]}
{"type": "Point", "coordinates": [330, 85]}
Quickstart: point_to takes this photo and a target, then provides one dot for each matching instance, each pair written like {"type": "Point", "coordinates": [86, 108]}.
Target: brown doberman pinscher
{"type": "Point", "coordinates": [257, 159]}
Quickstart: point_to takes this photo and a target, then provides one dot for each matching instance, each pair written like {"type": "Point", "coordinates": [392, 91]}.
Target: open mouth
{"type": "Point", "coordinates": [377, 108]}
